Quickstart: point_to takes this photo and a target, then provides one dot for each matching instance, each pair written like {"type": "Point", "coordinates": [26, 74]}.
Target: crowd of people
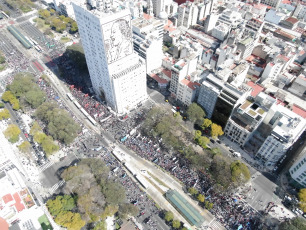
{"type": "Point", "coordinates": [225, 205]}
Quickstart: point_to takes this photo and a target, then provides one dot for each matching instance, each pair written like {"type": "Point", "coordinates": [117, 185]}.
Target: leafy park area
{"type": "Point", "coordinates": [24, 5]}
{"type": "Point", "coordinates": [302, 199]}
{"type": "Point", "coordinates": [59, 23]}
{"type": "Point", "coordinates": [89, 197]}
{"type": "Point", "coordinates": [296, 223]}
{"type": "Point", "coordinates": [179, 136]}
{"type": "Point", "coordinates": [23, 93]}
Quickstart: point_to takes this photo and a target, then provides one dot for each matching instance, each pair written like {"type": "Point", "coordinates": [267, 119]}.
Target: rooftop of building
{"type": "Point", "coordinates": [256, 89]}
{"type": "Point", "coordinates": [190, 84]}
{"type": "Point", "coordinates": [192, 215]}
{"type": "Point", "coordinates": [292, 20]}
{"type": "Point", "coordinates": [247, 41]}
{"type": "Point", "coordinates": [158, 79]}
{"type": "Point", "coordinates": [296, 109]}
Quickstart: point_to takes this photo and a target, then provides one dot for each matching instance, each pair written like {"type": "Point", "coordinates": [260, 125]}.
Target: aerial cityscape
{"type": "Point", "coordinates": [152, 114]}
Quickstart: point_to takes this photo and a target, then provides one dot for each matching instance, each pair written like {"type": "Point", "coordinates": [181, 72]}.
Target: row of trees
{"type": "Point", "coordinates": [201, 198]}
{"type": "Point", "coordinates": [159, 123]}
{"type": "Point", "coordinates": [302, 199]}
{"type": "Point", "coordinates": [24, 5]}
{"type": "Point", "coordinates": [176, 224]}
{"type": "Point", "coordinates": [46, 142]}
{"type": "Point", "coordinates": [7, 96]}
{"type": "Point", "coordinates": [208, 126]}
{"type": "Point", "coordinates": [90, 194]}
{"type": "Point", "coordinates": [58, 22]}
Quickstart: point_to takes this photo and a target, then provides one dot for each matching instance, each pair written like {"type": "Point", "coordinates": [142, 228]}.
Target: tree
{"type": "Point", "coordinates": [74, 27]}
{"type": "Point", "coordinates": [195, 113]}
{"type": "Point", "coordinates": [216, 130]}
{"type": "Point", "coordinates": [193, 191]}
{"type": "Point", "coordinates": [169, 216]}
{"type": "Point", "coordinates": [44, 13]}
{"type": "Point", "coordinates": [2, 59]}
{"type": "Point", "coordinates": [206, 123]}
{"type": "Point", "coordinates": [12, 133]}
{"type": "Point", "coordinates": [70, 220]}
{"type": "Point", "coordinates": [208, 205]}
{"type": "Point", "coordinates": [39, 137]}
{"type": "Point", "coordinates": [302, 199]}
{"type": "Point", "coordinates": [4, 114]}
{"type": "Point", "coordinates": [100, 226]}
{"type": "Point", "coordinates": [201, 198]}
{"type": "Point", "coordinates": [15, 104]}
{"type": "Point", "coordinates": [35, 97]}
{"type": "Point", "coordinates": [8, 96]}
{"type": "Point", "coordinates": [240, 172]}
{"type": "Point", "coordinates": [1, 105]}
{"type": "Point", "coordinates": [197, 134]}
{"type": "Point", "coordinates": [126, 210]}
{"type": "Point", "coordinates": [35, 128]}
{"type": "Point", "coordinates": [23, 82]}
{"type": "Point", "coordinates": [296, 223]}
{"type": "Point", "coordinates": [25, 147]}
{"type": "Point", "coordinates": [176, 224]}
{"type": "Point", "coordinates": [203, 141]}
{"type": "Point", "coordinates": [60, 204]}
{"type": "Point", "coordinates": [114, 193]}
{"type": "Point", "coordinates": [49, 146]}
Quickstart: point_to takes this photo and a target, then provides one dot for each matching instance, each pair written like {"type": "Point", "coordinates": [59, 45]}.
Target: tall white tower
{"type": "Point", "coordinates": [117, 74]}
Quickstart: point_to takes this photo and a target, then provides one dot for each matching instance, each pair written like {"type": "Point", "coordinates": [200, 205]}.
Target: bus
{"type": "Point", "coordinates": [69, 95]}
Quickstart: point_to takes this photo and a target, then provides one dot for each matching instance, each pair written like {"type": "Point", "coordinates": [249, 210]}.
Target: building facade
{"type": "Point", "coordinates": [115, 70]}
{"type": "Point", "coordinates": [298, 169]}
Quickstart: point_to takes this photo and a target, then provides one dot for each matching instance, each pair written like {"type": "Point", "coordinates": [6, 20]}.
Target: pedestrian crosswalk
{"type": "Point", "coordinates": [215, 225]}
{"type": "Point", "coordinates": [56, 186]}
{"type": "Point", "coordinates": [45, 166]}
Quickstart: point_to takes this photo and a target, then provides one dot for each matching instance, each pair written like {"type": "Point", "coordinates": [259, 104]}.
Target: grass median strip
{"type": "Point", "coordinates": [158, 180]}
{"type": "Point", "coordinates": [155, 185]}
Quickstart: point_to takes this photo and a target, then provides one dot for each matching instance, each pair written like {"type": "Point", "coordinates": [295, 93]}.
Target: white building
{"type": "Point", "coordinates": [287, 128]}
{"type": "Point", "coordinates": [230, 18]}
{"type": "Point", "coordinates": [246, 118]}
{"type": "Point", "coordinates": [298, 169]}
{"type": "Point", "coordinates": [117, 73]}
{"type": "Point", "coordinates": [186, 92]}
{"type": "Point", "coordinates": [274, 16]}
{"type": "Point", "coordinates": [64, 7]}
{"type": "Point", "coordinates": [210, 22]}
{"type": "Point", "coordinates": [187, 14]}
{"type": "Point", "coordinates": [220, 31]}
{"type": "Point", "coordinates": [271, 71]}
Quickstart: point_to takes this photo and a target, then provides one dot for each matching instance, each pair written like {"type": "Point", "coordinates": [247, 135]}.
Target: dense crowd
{"type": "Point", "coordinates": [225, 206]}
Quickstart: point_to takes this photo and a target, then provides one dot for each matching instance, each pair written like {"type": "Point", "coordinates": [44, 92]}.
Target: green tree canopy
{"type": "Point", "coordinates": [193, 191]}
{"type": "Point", "coordinates": [70, 220]}
{"type": "Point", "coordinates": [216, 130]}
{"type": "Point", "coordinates": [240, 172]}
{"type": "Point", "coordinates": [195, 113]}
{"type": "Point", "coordinates": [206, 123]}
{"type": "Point", "coordinates": [208, 205]}
{"type": "Point", "coordinates": [296, 223]}
{"type": "Point", "coordinates": [35, 97]}
{"type": "Point", "coordinates": [176, 224]}
{"type": "Point", "coordinates": [126, 210]}
{"type": "Point", "coordinates": [4, 114]}
{"type": "Point", "coordinates": [12, 133]}
{"type": "Point", "coordinates": [169, 216]}
{"type": "Point", "coordinates": [25, 147]}
{"type": "Point", "coordinates": [44, 13]}
{"type": "Point", "coordinates": [35, 128]}
{"type": "Point", "coordinates": [61, 204]}
{"type": "Point", "coordinates": [114, 193]}
{"type": "Point", "coordinates": [201, 198]}
{"type": "Point", "coordinates": [60, 124]}
{"type": "Point", "coordinates": [302, 199]}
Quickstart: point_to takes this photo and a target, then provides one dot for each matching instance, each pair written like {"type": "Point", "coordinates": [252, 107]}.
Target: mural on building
{"type": "Point", "coordinates": [120, 42]}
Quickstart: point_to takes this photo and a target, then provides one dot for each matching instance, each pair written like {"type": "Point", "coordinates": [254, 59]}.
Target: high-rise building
{"type": "Point", "coordinates": [117, 74]}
